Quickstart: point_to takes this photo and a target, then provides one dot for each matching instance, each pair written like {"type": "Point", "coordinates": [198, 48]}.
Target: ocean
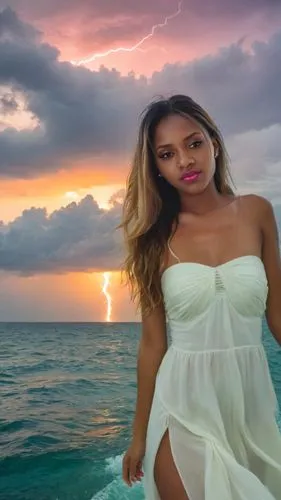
{"type": "Point", "coordinates": [67, 402]}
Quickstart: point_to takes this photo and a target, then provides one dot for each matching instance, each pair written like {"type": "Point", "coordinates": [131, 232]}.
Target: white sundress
{"type": "Point", "coordinates": [213, 390]}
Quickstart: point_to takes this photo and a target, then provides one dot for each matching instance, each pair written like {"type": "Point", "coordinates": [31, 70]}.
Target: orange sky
{"type": "Point", "coordinates": [58, 189]}
{"type": "Point", "coordinates": [69, 297]}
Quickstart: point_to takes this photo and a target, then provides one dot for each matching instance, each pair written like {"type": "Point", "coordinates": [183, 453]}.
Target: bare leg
{"type": "Point", "coordinates": [166, 475]}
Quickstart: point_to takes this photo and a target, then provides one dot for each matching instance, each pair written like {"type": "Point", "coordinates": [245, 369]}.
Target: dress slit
{"type": "Point", "coordinates": [168, 433]}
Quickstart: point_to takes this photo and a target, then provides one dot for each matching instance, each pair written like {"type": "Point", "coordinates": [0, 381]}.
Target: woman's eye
{"type": "Point", "coordinates": [196, 144]}
{"type": "Point", "coordinates": [166, 155]}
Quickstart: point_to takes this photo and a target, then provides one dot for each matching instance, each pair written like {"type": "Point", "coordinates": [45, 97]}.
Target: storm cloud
{"type": "Point", "coordinates": [8, 104]}
{"type": "Point", "coordinates": [82, 113]}
{"type": "Point", "coordinates": [78, 237]}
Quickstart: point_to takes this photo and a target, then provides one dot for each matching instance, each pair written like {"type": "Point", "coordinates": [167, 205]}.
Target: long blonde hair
{"type": "Point", "coordinates": [151, 204]}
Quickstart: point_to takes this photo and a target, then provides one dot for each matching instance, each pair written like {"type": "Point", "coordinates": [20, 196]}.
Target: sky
{"type": "Point", "coordinates": [74, 77]}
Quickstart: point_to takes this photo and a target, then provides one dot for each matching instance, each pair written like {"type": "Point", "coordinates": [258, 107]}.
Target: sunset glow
{"type": "Point", "coordinates": [72, 195]}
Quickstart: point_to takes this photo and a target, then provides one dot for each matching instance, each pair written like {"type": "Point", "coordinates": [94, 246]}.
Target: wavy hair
{"type": "Point", "coordinates": [151, 205]}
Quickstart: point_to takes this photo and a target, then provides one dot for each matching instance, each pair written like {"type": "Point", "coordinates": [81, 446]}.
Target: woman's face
{"type": "Point", "coordinates": [185, 155]}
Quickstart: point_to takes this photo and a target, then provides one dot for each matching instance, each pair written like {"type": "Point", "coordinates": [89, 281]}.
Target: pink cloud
{"type": "Point", "coordinates": [80, 29]}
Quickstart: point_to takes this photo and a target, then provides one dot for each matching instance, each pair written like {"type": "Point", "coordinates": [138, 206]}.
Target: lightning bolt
{"type": "Point", "coordinates": [106, 277]}
{"type": "Point", "coordinates": [134, 47]}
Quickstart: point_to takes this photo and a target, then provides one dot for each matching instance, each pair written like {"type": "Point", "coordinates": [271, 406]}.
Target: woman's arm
{"type": "Point", "coordinates": [272, 263]}
{"type": "Point", "coordinates": [152, 347]}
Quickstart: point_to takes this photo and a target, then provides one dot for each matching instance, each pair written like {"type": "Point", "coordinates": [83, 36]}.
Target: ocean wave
{"type": "Point", "coordinates": [116, 488]}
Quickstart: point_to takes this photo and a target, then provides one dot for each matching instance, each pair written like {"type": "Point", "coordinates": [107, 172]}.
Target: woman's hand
{"type": "Point", "coordinates": [132, 462]}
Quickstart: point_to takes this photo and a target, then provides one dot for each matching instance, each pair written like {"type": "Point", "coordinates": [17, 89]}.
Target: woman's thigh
{"type": "Point", "coordinates": [166, 475]}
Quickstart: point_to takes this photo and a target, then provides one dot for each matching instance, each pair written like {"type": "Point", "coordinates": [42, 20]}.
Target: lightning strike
{"type": "Point", "coordinates": [134, 47]}
{"type": "Point", "coordinates": [106, 277]}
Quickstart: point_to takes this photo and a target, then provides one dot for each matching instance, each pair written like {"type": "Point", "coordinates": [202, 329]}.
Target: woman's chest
{"type": "Point", "coordinates": [213, 242]}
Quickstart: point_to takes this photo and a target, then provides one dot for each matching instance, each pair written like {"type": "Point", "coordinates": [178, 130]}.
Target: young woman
{"type": "Point", "coordinates": [208, 262]}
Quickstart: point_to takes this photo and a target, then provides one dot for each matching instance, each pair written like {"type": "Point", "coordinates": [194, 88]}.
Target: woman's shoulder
{"type": "Point", "coordinates": [258, 207]}
{"type": "Point", "coordinates": [256, 203]}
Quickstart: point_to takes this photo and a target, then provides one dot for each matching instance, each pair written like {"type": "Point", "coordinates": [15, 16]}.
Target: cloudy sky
{"type": "Point", "coordinates": [74, 77]}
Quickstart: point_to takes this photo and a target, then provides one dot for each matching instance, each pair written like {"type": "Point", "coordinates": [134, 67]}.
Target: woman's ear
{"type": "Point", "coordinates": [216, 148]}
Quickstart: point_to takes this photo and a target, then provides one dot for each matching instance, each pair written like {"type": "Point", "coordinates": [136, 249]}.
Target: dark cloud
{"type": "Point", "coordinates": [79, 237]}
{"type": "Point", "coordinates": [8, 104]}
{"type": "Point", "coordinates": [12, 26]}
{"type": "Point", "coordinates": [83, 113]}
{"type": "Point", "coordinates": [80, 112]}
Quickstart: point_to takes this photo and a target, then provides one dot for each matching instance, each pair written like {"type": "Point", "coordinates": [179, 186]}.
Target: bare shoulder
{"type": "Point", "coordinates": [263, 213]}
{"type": "Point", "coordinates": [259, 207]}
{"type": "Point", "coordinates": [256, 201]}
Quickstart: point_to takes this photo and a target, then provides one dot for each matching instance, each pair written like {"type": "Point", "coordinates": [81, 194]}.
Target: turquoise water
{"type": "Point", "coordinates": [67, 402]}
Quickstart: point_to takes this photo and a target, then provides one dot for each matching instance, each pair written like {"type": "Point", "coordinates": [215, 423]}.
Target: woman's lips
{"type": "Point", "coordinates": [190, 176]}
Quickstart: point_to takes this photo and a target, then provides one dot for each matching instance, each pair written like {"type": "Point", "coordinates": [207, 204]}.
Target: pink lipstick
{"type": "Point", "coordinates": [190, 176]}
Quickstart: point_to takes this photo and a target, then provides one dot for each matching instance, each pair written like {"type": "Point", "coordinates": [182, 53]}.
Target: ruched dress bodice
{"type": "Point", "coordinates": [215, 307]}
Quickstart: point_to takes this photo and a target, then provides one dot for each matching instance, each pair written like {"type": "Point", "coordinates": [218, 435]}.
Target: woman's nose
{"type": "Point", "coordinates": [185, 158]}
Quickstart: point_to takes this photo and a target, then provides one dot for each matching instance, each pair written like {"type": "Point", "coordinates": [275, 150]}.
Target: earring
{"type": "Point", "coordinates": [216, 154]}
{"type": "Point", "coordinates": [159, 175]}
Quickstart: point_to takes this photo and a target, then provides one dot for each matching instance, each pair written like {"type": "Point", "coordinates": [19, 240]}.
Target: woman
{"type": "Point", "coordinates": [208, 261]}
